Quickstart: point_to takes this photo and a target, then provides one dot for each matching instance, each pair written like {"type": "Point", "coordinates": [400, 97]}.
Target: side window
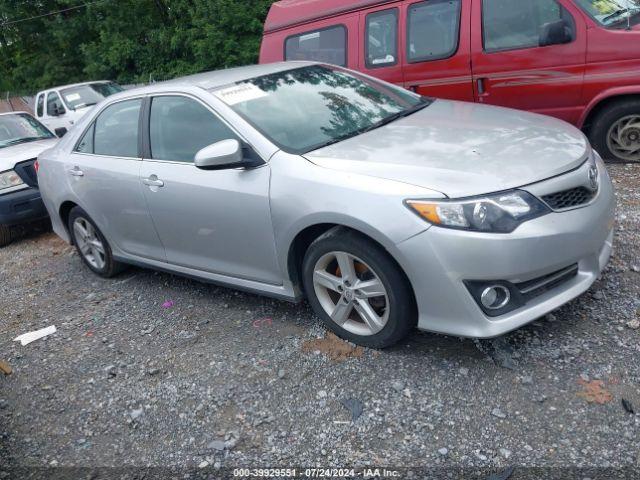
{"type": "Point", "coordinates": [509, 25]}
{"type": "Point", "coordinates": [54, 105]}
{"type": "Point", "coordinates": [85, 145]}
{"type": "Point", "coordinates": [40, 105]}
{"type": "Point", "coordinates": [116, 130]}
{"type": "Point", "coordinates": [328, 45]}
{"type": "Point", "coordinates": [180, 127]}
{"type": "Point", "coordinates": [433, 30]}
{"type": "Point", "coordinates": [382, 39]}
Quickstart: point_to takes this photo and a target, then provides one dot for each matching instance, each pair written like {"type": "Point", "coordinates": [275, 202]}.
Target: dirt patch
{"type": "Point", "coordinates": [594, 392]}
{"type": "Point", "coordinates": [335, 348]}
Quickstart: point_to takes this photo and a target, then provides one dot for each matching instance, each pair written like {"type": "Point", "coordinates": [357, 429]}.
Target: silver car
{"type": "Point", "coordinates": [385, 209]}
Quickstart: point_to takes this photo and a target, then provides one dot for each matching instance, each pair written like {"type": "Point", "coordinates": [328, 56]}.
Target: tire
{"type": "Point", "coordinates": [99, 260]}
{"type": "Point", "coordinates": [392, 315]}
{"type": "Point", "coordinates": [5, 235]}
{"type": "Point", "coordinates": [617, 128]}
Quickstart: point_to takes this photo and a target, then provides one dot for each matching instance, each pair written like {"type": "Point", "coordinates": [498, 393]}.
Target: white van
{"type": "Point", "coordinates": [60, 108]}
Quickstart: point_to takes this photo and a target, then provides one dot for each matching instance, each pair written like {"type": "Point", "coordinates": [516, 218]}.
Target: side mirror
{"type": "Point", "coordinates": [555, 33]}
{"type": "Point", "coordinates": [58, 110]}
{"type": "Point", "coordinates": [60, 132]}
{"type": "Point", "coordinates": [222, 155]}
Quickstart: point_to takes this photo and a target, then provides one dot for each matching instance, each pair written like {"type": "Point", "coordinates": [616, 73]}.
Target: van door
{"type": "Point", "coordinates": [529, 55]}
{"type": "Point", "coordinates": [382, 50]}
{"type": "Point", "coordinates": [436, 60]}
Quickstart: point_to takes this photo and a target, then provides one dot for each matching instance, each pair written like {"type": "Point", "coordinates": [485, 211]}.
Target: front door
{"type": "Point", "coordinates": [216, 221]}
{"type": "Point", "coordinates": [511, 69]}
{"type": "Point", "coordinates": [104, 174]}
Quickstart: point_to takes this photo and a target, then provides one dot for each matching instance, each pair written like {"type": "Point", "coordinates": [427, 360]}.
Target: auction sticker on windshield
{"type": "Point", "coordinates": [240, 93]}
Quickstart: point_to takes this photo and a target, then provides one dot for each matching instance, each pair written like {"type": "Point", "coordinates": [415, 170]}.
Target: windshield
{"type": "Point", "coordinates": [304, 109]}
{"type": "Point", "coordinates": [88, 95]}
{"type": "Point", "coordinates": [21, 128]}
{"type": "Point", "coordinates": [612, 13]}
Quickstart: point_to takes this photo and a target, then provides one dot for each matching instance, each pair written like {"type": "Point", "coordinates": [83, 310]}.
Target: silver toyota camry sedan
{"type": "Point", "coordinates": [386, 210]}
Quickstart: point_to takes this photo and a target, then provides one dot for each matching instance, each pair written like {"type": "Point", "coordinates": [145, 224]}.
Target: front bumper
{"type": "Point", "coordinates": [22, 206]}
{"type": "Point", "coordinates": [439, 260]}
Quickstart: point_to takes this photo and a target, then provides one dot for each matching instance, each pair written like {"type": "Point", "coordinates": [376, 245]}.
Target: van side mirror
{"type": "Point", "coordinates": [226, 154]}
{"type": "Point", "coordinates": [60, 132]}
{"type": "Point", "coordinates": [58, 110]}
{"type": "Point", "coordinates": [555, 33]}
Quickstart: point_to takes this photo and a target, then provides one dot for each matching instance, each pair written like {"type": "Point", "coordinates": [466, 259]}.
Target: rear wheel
{"type": "Point", "coordinates": [91, 245]}
{"type": "Point", "coordinates": [357, 289]}
{"type": "Point", "coordinates": [5, 235]}
{"type": "Point", "coordinates": [615, 132]}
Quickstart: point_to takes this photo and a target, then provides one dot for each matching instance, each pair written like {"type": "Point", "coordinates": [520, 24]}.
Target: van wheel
{"type": "Point", "coordinates": [5, 235]}
{"type": "Point", "coordinates": [91, 244]}
{"type": "Point", "coordinates": [357, 289]}
{"type": "Point", "coordinates": [615, 132]}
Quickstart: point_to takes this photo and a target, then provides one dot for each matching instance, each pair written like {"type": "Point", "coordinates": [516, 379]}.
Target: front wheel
{"type": "Point", "coordinates": [92, 245]}
{"type": "Point", "coordinates": [358, 290]}
{"type": "Point", "coordinates": [615, 132]}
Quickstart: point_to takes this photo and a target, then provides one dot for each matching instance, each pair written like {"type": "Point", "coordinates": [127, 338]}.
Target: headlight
{"type": "Point", "coordinates": [497, 213]}
{"type": "Point", "coordinates": [9, 179]}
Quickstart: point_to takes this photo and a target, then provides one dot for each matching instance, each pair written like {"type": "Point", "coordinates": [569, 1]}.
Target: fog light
{"type": "Point", "coordinates": [495, 297]}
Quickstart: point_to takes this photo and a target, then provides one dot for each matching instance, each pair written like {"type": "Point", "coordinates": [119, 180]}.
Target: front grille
{"type": "Point", "coordinates": [538, 286]}
{"type": "Point", "coordinates": [572, 198]}
{"type": "Point", "coordinates": [27, 172]}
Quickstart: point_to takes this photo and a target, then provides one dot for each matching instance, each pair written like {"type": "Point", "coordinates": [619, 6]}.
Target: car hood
{"type": "Point", "coordinates": [9, 156]}
{"type": "Point", "coordinates": [461, 149]}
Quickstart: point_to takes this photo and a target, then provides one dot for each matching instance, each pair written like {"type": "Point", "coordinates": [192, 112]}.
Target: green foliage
{"type": "Point", "coordinates": [128, 41]}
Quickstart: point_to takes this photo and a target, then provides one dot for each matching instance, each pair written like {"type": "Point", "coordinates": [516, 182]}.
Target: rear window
{"type": "Point", "coordinates": [328, 45]}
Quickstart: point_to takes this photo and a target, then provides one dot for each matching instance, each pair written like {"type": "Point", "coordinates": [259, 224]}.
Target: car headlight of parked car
{"type": "Point", "coordinates": [9, 179]}
{"type": "Point", "coordinates": [497, 213]}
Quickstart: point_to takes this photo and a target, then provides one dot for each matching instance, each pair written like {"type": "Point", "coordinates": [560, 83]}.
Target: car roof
{"type": "Point", "coordinates": [214, 79]}
{"type": "Point", "coordinates": [287, 13]}
{"type": "Point", "coordinates": [71, 85]}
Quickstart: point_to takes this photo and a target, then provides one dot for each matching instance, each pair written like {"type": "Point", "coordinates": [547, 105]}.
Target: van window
{"type": "Point", "coordinates": [433, 30]}
{"type": "Point", "coordinates": [54, 105]}
{"type": "Point", "coordinates": [116, 132]}
{"type": "Point", "coordinates": [328, 45]}
{"type": "Point", "coordinates": [181, 127]}
{"type": "Point", "coordinates": [382, 39]}
{"type": "Point", "coordinates": [509, 25]}
{"type": "Point", "coordinates": [40, 107]}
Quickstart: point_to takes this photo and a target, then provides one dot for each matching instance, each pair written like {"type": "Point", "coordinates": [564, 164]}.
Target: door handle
{"type": "Point", "coordinates": [153, 181]}
{"type": "Point", "coordinates": [481, 86]}
{"type": "Point", "coordinates": [76, 172]}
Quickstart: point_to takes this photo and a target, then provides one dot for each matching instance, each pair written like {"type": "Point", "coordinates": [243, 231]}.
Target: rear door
{"type": "Point", "coordinates": [382, 50]}
{"type": "Point", "coordinates": [217, 221]}
{"type": "Point", "coordinates": [104, 173]}
{"type": "Point", "coordinates": [436, 59]}
{"type": "Point", "coordinates": [510, 69]}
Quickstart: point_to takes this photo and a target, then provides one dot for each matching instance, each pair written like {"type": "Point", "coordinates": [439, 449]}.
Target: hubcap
{"type": "Point", "coordinates": [88, 243]}
{"type": "Point", "coordinates": [351, 293]}
{"type": "Point", "coordinates": [624, 138]}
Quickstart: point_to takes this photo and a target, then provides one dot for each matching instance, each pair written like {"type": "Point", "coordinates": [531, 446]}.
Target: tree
{"type": "Point", "coordinates": [124, 40]}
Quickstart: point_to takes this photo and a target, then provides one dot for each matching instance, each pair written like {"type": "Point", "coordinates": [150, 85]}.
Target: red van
{"type": "Point", "coordinates": [578, 60]}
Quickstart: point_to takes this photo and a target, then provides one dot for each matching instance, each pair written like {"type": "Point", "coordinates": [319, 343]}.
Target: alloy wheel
{"type": "Point", "coordinates": [623, 138]}
{"type": "Point", "coordinates": [351, 293]}
{"type": "Point", "coordinates": [89, 244]}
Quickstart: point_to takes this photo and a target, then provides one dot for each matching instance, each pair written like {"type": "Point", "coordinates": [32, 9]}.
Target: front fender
{"type": "Point", "coordinates": [606, 95]}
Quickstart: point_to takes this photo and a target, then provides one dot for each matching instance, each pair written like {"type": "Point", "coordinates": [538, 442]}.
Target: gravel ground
{"type": "Point", "coordinates": [226, 379]}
